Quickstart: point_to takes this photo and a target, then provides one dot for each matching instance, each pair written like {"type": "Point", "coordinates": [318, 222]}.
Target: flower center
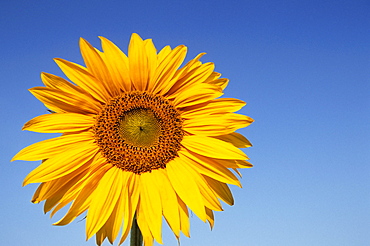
{"type": "Point", "coordinates": [139, 132]}
{"type": "Point", "coordinates": [139, 127]}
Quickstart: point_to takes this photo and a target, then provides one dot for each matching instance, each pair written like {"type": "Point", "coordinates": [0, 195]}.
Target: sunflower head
{"type": "Point", "coordinates": [139, 132]}
{"type": "Point", "coordinates": [140, 136]}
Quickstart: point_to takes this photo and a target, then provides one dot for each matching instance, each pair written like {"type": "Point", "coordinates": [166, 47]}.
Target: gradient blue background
{"type": "Point", "coordinates": [302, 66]}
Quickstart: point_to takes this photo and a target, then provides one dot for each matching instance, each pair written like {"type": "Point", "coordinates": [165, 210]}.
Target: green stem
{"type": "Point", "coordinates": [136, 239]}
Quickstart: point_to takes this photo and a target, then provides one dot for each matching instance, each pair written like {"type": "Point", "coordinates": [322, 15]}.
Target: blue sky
{"type": "Point", "coordinates": [302, 67]}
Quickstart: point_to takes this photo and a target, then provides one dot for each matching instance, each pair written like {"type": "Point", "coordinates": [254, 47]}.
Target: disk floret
{"type": "Point", "coordinates": [139, 132]}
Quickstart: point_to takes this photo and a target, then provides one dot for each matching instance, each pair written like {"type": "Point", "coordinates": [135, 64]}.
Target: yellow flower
{"type": "Point", "coordinates": [140, 136]}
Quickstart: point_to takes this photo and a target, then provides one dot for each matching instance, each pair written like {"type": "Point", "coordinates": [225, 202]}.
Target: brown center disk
{"type": "Point", "coordinates": [139, 132]}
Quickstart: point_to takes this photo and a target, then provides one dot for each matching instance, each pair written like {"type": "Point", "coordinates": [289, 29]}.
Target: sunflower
{"type": "Point", "coordinates": [141, 138]}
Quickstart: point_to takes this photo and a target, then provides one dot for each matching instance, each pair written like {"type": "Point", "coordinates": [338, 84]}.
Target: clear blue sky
{"type": "Point", "coordinates": [302, 66]}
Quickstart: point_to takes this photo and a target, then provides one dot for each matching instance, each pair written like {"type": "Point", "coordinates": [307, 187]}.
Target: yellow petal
{"type": "Point", "coordinates": [163, 53]}
{"type": "Point", "coordinates": [138, 63]}
{"type": "Point", "coordinates": [61, 102]}
{"type": "Point", "coordinates": [150, 202]}
{"type": "Point", "coordinates": [210, 217]}
{"type": "Point", "coordinates": [62, 164]}
{"type": "Point", "coordinates": [237, 121]}
{"type": "Point", "coordinates": [115, 221]}
{"type": "Point", "coordinates": [197, 94]}
{"type": "Point", "coordinates": [131, 203]}
{"type": "Point", "coordinates": [237, 139]}
{"type": "Point", "coordinates": [152, 62]}
{"type": "Point", "coordinates": [96, 66]}
{"type": "Point", "coordinates": [182, 74]}
{"type": "Point", "coordinates": [36, 195]}
{"type": "Point", "coordinates": [98, 163]}
{"type": "Point", "coordinates": [209, 198]}
{"type": "Point", "coordinates": [191, 69]}
{"type": "Point", "coordinates": [144, 228]}
{"type": "Point", "coordinates": [148, 241]}
{"type": "Point", "coordinates": [53, 201]}
{"type": "Point", "coordinates": [212, 147]}
{"type": "Point", "coordinates": [220, 82]}
{"type": "Point", "coordinates": [191, 75]}
{"type": "Point", "coordinates": [195, 64]}
{"type": "Point", "coordinates": [210, 167]}
{"type": "Point", "coordinates": [242, 164]}
{"type": "Point", "coordinates": [58, 83]}
{"type": "Point", "coordinates": [81, 77]}
{"type": "Point", "coordinates": [214, 76]}
{"type": "Point", "coordinates": [182, 180]}
{"type": "Point", "coordinates": [229, 163]}
{"type": "Point", "coordinates": [221, 190]}
{"type": "Point", "coordinates": [118, 65]}
{"type": "Point", "coordinates": [42, 190]}
{"type": "Point", "coordinates": [100, 236]}
{"type": "Point", "coordinates": [169, 202]}
{"type": "Point", "coordinates": [164, 77]}
{"type": "Point", "coordinates": [58, 203]}
{"type": "Point", "coordinates": [83, 200]}
{"type": "Point", "coordinates": [50, 147]}
{"type": "Point", "coordinates": [184, 217]}
{"type": "Point", "coordinates": [207, 125]}
{"type": "Point", "coordinates": [67, 198]}
{"type": "Point", "coordinates": [59, 123]}
{"type": "Point", "coordinates": [221, 105]}
{"type": "Point", "coordinates": [215, 125]}
{"type": "Point", "coordinates": [59, 187]}
{"type": "Point", "coordinates": [237, 172]}
{"type": "Point", "coordinates": [104, 200]}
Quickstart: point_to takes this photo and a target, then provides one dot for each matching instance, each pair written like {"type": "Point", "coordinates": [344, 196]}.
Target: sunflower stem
{"type": "Point", "coordinates": [136, 239]}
